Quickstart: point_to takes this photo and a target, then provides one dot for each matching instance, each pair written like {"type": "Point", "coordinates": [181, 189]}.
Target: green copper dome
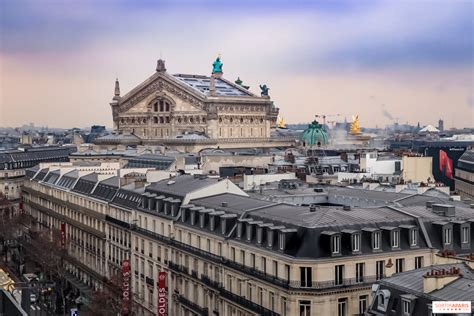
{"type": "Point", "coordinates": [315, 134]}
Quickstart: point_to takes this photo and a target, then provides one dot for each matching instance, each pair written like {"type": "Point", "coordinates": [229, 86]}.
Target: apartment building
{"type": "Point", "coordinates": [225, 253]}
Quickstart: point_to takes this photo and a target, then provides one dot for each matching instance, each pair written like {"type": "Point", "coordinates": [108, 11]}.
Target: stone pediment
{"type": "Point", "coordinates": [158, 83]}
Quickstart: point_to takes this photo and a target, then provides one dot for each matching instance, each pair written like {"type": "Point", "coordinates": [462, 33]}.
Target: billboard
{"type": "Point", "coordinates": [125, 287]}
{"type": "Point", "coordinates": [445, 161]}
{"type": "Point", "coordinates": [162, 294]}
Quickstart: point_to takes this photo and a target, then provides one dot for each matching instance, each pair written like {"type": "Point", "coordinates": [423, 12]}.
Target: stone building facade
{"type": "Point", "coordinates": [167, 106]}
{"type": "Point", "coordinates": [225, 253]}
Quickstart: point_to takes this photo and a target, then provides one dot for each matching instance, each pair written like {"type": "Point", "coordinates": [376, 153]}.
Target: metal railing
{"type": "Point", "coordinates": [254, 307]}
{"type": "Point", "coordinates": [193, 306]}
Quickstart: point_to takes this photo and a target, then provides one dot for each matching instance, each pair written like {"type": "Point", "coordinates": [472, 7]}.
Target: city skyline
{"type": "Point", "coordinates": [381, 60]}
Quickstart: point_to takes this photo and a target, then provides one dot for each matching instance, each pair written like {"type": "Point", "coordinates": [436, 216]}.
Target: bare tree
{"type": "Point", "coordinates": [108, 300]}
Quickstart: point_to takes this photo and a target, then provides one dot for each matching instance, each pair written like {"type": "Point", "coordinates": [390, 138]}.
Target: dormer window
{"type": "Point", "coordinates": [447, 236]}
{"type": "Point", "coordinates": [336, 244]}
{"type": "Point", "coordinates": [193, 218]}
{"type": "Point", "coordinates": [249, 232]}
{"type": "Point", "coordinates": [465, 233]}
{"type": "Point", "coordinates": [212, 222]}
{"type": "Point", "coordinates": [201, 220]}
{"type": "Point", "coordinates": [223, 226]}
{"type": "Point", "coordinates": [356, 242]}
{"type": "Point", "coordinates": [395, 239]}
{"type": "Point", "coordinates": [413, 237]}
{"type": "Point", "coordinates": [376, 240]}
{"type": "Point", "coordinates": [239, 230]}
{"type": "Point", "coordinates": [259, 235]}
{"type": "Point", "coordinates": [281, 241]}
{"type": "Point", "coordinates": [270, 239]}
{"type": "Point", "coordinates": [406, 307]}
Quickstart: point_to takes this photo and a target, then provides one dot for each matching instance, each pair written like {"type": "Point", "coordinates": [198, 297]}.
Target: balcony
{"type": "Point", "coordinates": [192, 306]}
{"type": "Point", "coordinates": [214, 284]}
{"type": "Point", "coordinates": [239, 300]}
{"type": "Point", "coordinates": [117, 222]}
{"type": "Point", "coordinates": [177, 267]}
{"type": "Point", "coordinates": [333, 284]}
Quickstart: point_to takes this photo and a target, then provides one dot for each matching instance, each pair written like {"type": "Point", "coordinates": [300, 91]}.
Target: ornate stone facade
{"type": "Point", "coordinates": [166, 107]}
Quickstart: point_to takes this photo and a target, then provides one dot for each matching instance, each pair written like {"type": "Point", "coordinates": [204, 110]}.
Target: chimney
{"type": "Point", "coordinates": [437, 279]}
{"type": "Point", "coordinates": [312, 208]}
{"type": "Point", "coordinates": [444, 209]}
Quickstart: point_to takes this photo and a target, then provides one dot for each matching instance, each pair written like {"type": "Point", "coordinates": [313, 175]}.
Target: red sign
{"type": "Point", "coordinates": [125, 287]}
{"type": "Point", "coordinates": [63, 235]}
{"type": "Point", "coordinates": [162, 295]}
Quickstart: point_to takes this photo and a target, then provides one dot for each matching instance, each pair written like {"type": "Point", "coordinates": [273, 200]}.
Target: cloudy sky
{"type": "Point", "coordinates": [405, 60]}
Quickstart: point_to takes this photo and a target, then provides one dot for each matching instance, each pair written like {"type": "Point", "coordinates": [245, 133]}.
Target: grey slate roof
{"type": "Point", "coordinates": [411, 281]}
{"type": "Point", "coordinates": [180, 185]}
{"type": "Point", "coordinates": [233, 203]}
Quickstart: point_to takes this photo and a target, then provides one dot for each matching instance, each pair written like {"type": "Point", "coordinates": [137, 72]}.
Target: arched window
{"type": "Point", "coordinates": [162, 120]}
{"type": "Point", "coordinates": [155, 120]}
{"type": "Point", "coordinates": [155, 107]}
{"type": "Point", "coordinates": [161, 106]}
{"type": "Point", "coordinates": [167, 107]}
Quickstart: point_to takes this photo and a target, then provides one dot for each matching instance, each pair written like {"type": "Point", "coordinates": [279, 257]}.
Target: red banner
{"type": "Point", "coordinates": [63, 235]}
{"type": "Point", "coordinates": [125, 287]}
{"type": "Point", "coordinates": [162, 295]}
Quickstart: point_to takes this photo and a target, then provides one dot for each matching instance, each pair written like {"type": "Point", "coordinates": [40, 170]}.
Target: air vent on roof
{"type": "Point", "coordinates": [224, 204]}
{"type": "Point", "coordinates": [171, 182]}
{"type": "Point", "coordinates": [346, 207]}
{"type": "Point", "coordinates": [319, 190]}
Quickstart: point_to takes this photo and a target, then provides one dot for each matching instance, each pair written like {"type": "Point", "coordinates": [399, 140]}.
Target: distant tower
{"type": "Point", "coordinates": [441, 125]}
{"type": "Point", "coordinates": [115, 104]}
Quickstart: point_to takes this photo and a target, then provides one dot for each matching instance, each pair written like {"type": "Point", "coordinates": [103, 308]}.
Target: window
{"type": "Point", "coordinates": [264, 265]}
{"type": "Point", "coordinates": [356, 242]}
{"type": "Point", "coordinates": [249, 291]}
{"type": "Point", "coordinates": [465, 235]}
{"type": "Point", "coordinates": [380, 269]}
{"type": "Point", "coordinates": [306, 278]}
{"type": "Point", "coordinates": [259, 235]}
{"type": "Point", "coordinates": [239, 230]}
{"type": "Point", "coordinates": [242, 256]}
{"type": "Point", "coordinates": [281, 241]}
{"type": "Point", "coordinates": [395, 239]}
{"type": "Point", "coordinates": [339, 274]}
{"type": "Point", "coordinates": [336, 244]}
{"type": "Point", "coordinates": [418, 262]}
{"type": "Point", "coordinates": [381, 301]}
{"type": "Point", "coordinates": [342, 306]}
{"type": "Point", "coordinates": [305, 308]}
{"type": "Point", "coordinates": [413, 237]}
{"type": "Point", "coordinates": [271, 299]}
{"type": "Point", "coordinates": [406, 307]}
{"type": "Point", "coordinates": [447, 236]}
{"type": "Point", "coordinates": [360, 267]}
{"type": "Point", "coordinates": [284, 306]}
{"type": "Point", "coordinates": [232, 253]}
{"type": "Point", "coordinates": [260, 296]}
{"type": "Point", "coordinates": [275, 268]}
{"type": "Point", "coordinates": [400, 263]}
{"type": "Point", "coordinates": [363, 300]}
{"type": "Point", "coordinates": [376, 240]}
{"type": "Point", "coordinates": [252, 260]}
